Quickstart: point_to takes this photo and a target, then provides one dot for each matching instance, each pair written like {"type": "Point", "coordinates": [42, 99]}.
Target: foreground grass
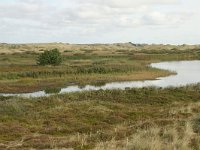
{"type": "Point", "coordinates": [163, 118]}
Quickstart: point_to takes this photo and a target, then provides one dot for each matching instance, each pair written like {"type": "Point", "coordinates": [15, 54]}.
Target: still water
{"type": "Point", "coordinates": [188, 72]}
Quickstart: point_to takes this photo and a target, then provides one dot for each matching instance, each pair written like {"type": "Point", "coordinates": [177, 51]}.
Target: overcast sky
{"type": "Point", "coordinates": [100, 21]}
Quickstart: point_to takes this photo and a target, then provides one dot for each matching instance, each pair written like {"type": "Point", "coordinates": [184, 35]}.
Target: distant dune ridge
{"type": "Point", "coordinates": [66, 47]}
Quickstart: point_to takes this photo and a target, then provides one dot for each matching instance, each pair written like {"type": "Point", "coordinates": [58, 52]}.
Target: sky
{"type": "Point", "coordinates": [100, 21]}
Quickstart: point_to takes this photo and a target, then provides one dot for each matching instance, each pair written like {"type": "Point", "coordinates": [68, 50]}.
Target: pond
{"type": "Point", "coordinates": [188, 72]}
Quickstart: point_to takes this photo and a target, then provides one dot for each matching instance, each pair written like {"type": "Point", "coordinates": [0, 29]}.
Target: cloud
{"type": "Point", "coordinates": [79, 18]}
{"type": "Point", "coordinates": [129, 3]}
{"type": "Point", "coordinates": [89, 12]}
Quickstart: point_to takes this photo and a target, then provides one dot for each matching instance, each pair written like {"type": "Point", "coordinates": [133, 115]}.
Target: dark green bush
{"type": "Point", "coordinates": [50, 57]}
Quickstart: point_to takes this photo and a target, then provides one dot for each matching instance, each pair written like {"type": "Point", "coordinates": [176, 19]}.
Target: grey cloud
{"type": "Point", "coordinates": [86, 17]}
{"type": "Point", "coordinates": [91, 12]}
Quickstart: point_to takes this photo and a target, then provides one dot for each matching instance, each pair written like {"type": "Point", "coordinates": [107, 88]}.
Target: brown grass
{"type": "Point", "coordinates": [134, 118]}
{"type": "Point", "coordinates": [91, 48]}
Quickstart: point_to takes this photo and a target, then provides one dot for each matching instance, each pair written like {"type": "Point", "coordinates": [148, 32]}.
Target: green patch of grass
{"type": "Point", "coordinates": [52, 90]}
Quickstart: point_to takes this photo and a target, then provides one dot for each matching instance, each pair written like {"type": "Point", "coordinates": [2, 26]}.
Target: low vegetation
{"type": "Point", "coordinates": [20, 73]}
{"type": "Point", "coordinates": [120, 48]}
{"type": "Point", "coordinates": [147, 118]}
{"type": "Point", "coordinates": [113, 119]}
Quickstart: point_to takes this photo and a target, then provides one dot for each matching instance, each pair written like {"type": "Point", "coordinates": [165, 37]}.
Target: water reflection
{"type": "Point", "coordinates": [188, 72]}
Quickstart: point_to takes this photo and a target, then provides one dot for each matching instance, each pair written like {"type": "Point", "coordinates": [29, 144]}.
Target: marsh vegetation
{"type": "Point", "coordinates": [20, 72]}
{"type": "Point", "coordinates": [165, 118]}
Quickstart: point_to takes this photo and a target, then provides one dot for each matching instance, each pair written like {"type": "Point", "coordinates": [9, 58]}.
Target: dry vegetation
{"type": "Point", "coordinates": [147, 118]}
{"type": "Point", "coordinates": [92, 48]}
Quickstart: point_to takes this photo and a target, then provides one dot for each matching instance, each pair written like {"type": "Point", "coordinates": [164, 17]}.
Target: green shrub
{"type": "Point", "coordinates": [50, 57]}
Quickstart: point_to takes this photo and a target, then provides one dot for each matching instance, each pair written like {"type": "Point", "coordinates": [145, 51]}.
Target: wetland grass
{"type": "Point", "coordinates": [81, 68]}
{"type": "Point", "coordinates": [90, 120]}
{"type": "Point", "coordinates": [112, 119]}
